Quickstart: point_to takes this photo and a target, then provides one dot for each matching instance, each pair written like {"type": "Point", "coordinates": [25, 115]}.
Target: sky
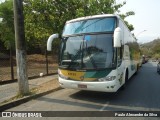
{"type": "Point", "coordinates": [2, 1]}
{"type": "Point", "coordinates": [146, 20]}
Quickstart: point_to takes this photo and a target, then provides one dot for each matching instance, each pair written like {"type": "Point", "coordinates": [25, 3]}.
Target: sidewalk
{"type": "Point", "coordinates": [46, 83]}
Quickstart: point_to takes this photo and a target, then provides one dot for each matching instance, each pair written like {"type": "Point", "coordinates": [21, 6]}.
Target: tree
{"type": "Point", "coordinates": [123, 16]}
{"type": "Point", "coordinates": [156, 48]}
{"type": "Point", "coordinates": [20, 48]}
{"type": "Point", "coordinates": [151, 48]}
{"type": "Point", "coordinates": [44, 17]}
{"type": "Point", "coordinates": [7, 24]}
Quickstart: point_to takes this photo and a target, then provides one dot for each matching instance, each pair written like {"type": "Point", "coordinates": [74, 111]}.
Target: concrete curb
{"type": "Point", "coordinates": [26, 99]}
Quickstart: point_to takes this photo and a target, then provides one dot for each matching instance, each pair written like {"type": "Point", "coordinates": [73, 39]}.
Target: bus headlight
{"type": "Point", "coordinates": [61, 75]}
{"type": "Point", "coordinates": [108, 78]}
{"type": "Point", "coordinates": [64, 77]}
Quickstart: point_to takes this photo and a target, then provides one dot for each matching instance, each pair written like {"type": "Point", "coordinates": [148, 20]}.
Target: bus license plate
{"type": "Point", "coordinates": [82, 86]}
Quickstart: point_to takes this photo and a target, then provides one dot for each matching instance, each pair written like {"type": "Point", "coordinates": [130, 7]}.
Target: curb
{"type": "Point", "coordinates": [26, 99]}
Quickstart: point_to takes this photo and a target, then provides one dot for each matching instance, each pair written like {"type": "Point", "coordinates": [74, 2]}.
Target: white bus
{"type": "Point", "coordinates": [97, 53]}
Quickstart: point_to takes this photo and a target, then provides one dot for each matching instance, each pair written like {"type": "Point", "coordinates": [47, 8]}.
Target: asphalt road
{"type": "Point", "coordinates": [142, 93]}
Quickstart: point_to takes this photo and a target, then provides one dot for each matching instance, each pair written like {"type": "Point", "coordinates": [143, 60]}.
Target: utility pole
{"type": "Point", "coordinates": [20, 47]}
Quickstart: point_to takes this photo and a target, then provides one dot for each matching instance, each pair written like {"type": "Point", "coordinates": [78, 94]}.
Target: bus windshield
{"type": "Point", "coordinates": [90, 26]}
{"type": "Point", "coordinates": [87, 52]}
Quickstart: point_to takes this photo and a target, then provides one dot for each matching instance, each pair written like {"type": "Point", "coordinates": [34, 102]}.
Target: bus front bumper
{"type": "Point", "coordinates": [106, 86]}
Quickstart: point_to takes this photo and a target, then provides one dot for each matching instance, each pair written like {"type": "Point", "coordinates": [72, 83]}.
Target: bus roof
{"type": "Point", "coordinates": [91, 17]}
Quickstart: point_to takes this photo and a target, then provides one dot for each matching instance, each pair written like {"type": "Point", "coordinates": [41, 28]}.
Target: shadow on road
{"type": "Point", "coordinates": [141, 93]}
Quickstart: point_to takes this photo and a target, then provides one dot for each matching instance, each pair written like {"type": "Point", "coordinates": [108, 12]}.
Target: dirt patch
{"type": "Point", "coordinates": [41, 59]}
{"type": "Point", "coordinates": [36, 64]}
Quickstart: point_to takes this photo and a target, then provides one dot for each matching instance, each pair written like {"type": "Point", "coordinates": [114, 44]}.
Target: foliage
{"type": "Point", "coordinates": [7, 24]}
{"type": "Point", "coordinates": [151, 49]}
{"type": "Point", "coordinates": [45, 17]}
{"type": "Point", "coordinates": [123, 16]}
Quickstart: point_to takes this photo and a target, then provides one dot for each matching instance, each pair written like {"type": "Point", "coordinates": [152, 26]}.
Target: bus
{"type": "Point", "coordinates": [97, 53]}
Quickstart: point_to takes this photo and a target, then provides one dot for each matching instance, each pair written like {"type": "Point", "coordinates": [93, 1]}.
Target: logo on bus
{"type": "Point", "coordinates": [82, 78]}
{"type": "Point", "coordinates": [72, 74]}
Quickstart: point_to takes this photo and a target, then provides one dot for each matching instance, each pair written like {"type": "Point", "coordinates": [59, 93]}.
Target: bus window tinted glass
{"type": "Point", "coordinates": [90, 26]}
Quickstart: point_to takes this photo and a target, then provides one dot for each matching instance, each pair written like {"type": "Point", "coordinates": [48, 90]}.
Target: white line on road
{"type": "Point", "coordinates": [105, 105]}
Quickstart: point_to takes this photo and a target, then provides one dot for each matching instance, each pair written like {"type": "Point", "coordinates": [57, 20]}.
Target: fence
{"type": "Point", "coordinates": [45, 63]}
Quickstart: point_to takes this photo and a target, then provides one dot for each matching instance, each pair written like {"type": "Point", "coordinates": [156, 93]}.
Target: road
{"type": "Point", "coordinates": [141, 93]}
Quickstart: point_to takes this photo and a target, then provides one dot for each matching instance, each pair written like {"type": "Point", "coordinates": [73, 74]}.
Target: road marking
{"type": "Point", "coordinates": [127, 108]}
{"type": "Point", "coordinates": [105, 105]}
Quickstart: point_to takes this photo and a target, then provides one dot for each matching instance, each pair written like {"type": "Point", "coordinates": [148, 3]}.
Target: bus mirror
{"type": "Point", "coordinates": [117, 37]}
{"type": "Point", "coordinates": [49, 42]}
